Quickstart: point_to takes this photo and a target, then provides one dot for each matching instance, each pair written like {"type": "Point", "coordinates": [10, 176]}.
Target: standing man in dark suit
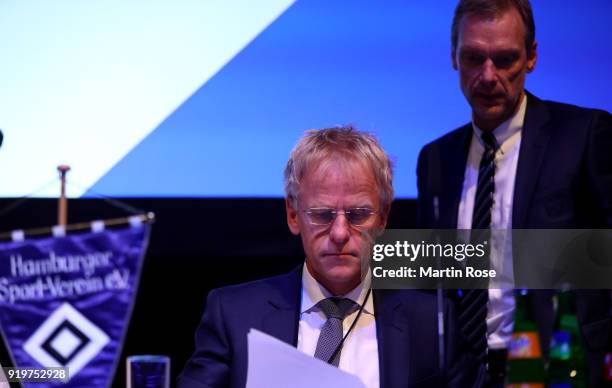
{"type": "Point", "coordinates": [339, 190]}
{"type": "Point", "coordinates": [547, 165]}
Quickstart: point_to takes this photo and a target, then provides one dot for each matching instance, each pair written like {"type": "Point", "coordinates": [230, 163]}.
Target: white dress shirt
{"type": "Point", "coordinates": [508, 135]}
{"type": "Point", "coordinates": [359, 354]}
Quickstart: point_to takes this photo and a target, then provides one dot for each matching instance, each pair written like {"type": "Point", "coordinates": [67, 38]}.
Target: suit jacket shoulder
{"type": "Point", "coordinates": [564, 172]}
{"type": "Point", "coordinates": [446, 142]}
{"type": "Point", "coordinates": [220, 358]}
{"type": "Point", "coordinates": [563, 110]}
{"type": "Point", "coordinates": [440, 170]}
{"type": "Point", "coordinates": [275, 288]}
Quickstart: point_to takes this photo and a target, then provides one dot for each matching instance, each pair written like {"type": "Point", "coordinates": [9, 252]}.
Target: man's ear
{"type": "Point", "coordinates": [292, 216]}
{"type": "Point", "coordinates": [454, 58]}
{"type": "Point", "coordinates": [532, 57]}
{"type": "Point", "coordinates": [385, 216]}
{"type": "Point", "coordinates": [382, 223]}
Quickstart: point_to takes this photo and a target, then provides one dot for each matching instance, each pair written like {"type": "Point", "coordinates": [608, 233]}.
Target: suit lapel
{"type": "Point", "coordinates": [282, 318]}
{"type": "Point", "coordinates": [453, 172]}
{"type": "Point", "coordinates": [534, 140]}
{"type": "Point", "coordinates": [392, 348]}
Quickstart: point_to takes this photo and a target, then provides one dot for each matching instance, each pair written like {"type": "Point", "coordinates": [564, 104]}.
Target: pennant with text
{"type": "Point", "coordinates": [67, 301]}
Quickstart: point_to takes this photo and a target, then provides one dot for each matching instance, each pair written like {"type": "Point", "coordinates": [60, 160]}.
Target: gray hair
{"type": "Point", "coordinates": [348, 143]}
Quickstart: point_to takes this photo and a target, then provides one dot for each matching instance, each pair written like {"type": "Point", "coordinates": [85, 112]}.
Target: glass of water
{"type": "Point", "coordinates": [148, 371]}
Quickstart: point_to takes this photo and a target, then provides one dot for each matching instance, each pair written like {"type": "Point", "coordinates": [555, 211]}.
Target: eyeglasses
{"type": "Point", "coordinates": [357, 216]}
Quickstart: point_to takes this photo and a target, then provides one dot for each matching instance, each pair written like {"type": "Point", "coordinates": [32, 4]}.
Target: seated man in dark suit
{"type": "Point", "coordinates": [339, 190]}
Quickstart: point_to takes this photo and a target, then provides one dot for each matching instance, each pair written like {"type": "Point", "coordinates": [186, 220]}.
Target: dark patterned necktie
{"type": "Point", "coordinates": [483, 201]}
{"type": "Point", "coordinates": [473, 304]}
{"type": "Point", "coordinates": [335, 309]}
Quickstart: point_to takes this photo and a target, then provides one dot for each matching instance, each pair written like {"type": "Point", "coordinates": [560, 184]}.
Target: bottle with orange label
{"type": "Point", "coordinates": [525, 363]}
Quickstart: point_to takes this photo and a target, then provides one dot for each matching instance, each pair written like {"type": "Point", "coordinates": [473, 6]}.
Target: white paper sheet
{"type": "Point", "coordinates": [275, 364]}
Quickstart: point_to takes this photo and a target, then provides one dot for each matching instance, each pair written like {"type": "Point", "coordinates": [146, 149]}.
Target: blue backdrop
{"type": "Point", "coordinates": [385, 68]}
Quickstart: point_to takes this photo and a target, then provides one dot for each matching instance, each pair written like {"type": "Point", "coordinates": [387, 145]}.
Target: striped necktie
{"type": "Point", "coordinates": [473, 304]}
{"type": "Point", "coordinates": [481, 218]}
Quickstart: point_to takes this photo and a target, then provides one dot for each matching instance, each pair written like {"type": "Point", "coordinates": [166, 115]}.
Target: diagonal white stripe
{"type": "Point", "coordinates": [83, 82]}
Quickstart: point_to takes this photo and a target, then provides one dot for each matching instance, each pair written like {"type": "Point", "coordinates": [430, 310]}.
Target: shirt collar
{"type": "Point", "coordinates": [313, 292]}
{"type": "Point", "coordinates": [508, 128]}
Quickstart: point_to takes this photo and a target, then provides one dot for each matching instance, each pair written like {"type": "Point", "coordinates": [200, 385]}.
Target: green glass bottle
{"type": "Point", "coordinates": [568, 366]}
{"type": "Point", "coordinates": [525, 363]}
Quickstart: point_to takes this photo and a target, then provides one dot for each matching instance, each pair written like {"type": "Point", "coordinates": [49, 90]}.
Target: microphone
{"type": "Point", "coordinates": [434, 181]}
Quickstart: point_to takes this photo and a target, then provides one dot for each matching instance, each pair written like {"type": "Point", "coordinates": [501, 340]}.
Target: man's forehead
{"type": "Point", "coordinates": [354, 178]}
{"type": "Point", "coordinates": [339, 166]}
{"type": "Point", "coordinates": [320, 197]}
{"type": "Point", "coordinates": [494, 36]}
{"type": "Point", "coordinates": [503, 22]}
